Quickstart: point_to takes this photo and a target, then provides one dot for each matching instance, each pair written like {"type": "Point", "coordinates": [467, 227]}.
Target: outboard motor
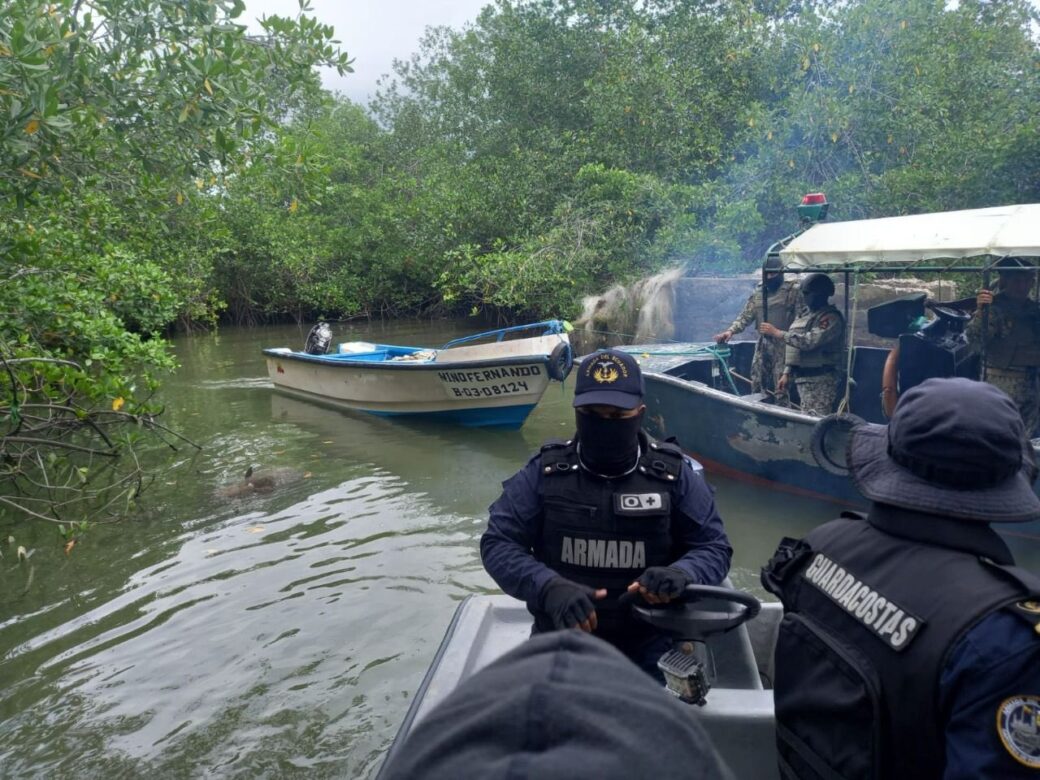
{"type": "Point", "coordinates": [927, 348]}
{"type": "Point", "coordinates": [318, 339]}
{"type": "Point", "coordinates": [939, 349]}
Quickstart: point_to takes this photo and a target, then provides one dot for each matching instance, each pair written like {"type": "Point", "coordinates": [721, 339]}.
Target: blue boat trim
{"type": "Point", "coordinates": [373, 360]}
{"type": "Point", "coordinates": [550, 328]}
{"type": "Point", "coordinates": [497, 416]}
{"type": "Point", "coordinates": [490, 416]}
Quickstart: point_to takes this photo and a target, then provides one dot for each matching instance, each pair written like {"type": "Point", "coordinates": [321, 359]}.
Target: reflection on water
{"type": "Point", "coordinates": [279, 633]}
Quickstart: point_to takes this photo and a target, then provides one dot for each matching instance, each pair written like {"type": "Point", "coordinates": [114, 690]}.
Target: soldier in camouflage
{"type": "Point", "coordinates": [815, 347]}
{"type": "Point", "coordinates": [1012, 336]}
{"type": "Point", "coordinates": [784, 301]}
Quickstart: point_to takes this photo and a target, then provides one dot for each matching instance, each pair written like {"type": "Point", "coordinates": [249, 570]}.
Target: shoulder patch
{"type": "Point", "coordinates": [825, 321]}
{"type": "Point", "coordinates": [1018, 726]}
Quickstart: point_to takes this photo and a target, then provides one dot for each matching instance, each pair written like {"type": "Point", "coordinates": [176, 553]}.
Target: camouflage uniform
{"type": "Point", "coordinates": [815, 357]}
{"type": "Point", "coordinates": [767, 365]}
{"type": "Point", "coordinates": [1013, 352]}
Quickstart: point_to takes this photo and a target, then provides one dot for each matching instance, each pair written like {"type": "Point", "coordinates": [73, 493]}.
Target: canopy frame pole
{"type": "Point", "coordinates": [846, 298]}
{"type": "Point", "coordinates": [985, 327]}
{"type": "Point", "coordinates": [765, 298]}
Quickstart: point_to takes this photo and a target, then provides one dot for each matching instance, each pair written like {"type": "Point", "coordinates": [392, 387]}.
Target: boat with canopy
{"type": "Point", "coordinates": [700, 395]}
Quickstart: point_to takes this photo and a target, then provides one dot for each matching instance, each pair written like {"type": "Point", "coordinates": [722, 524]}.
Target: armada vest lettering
{"type": "Point", "coordinates": [603, 553]}
{"type": "Point", "coordinates": [604, 533]}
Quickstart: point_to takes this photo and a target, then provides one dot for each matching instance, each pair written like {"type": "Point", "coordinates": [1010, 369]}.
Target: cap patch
{"type": "Point", "coordinates": [606, 370]}
{"type": "Point", "coordinates": [1019, 729]}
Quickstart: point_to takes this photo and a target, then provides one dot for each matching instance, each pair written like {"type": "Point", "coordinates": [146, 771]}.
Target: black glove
{"type": "Point", "coordinates": [664, 581]}
{"type": "Point", "coordinates": [567, 603]}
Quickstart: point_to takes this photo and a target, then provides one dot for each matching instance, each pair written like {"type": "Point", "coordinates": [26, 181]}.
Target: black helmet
{"type": "Point", "coordinates": [817, 284]}
{"type": "Point", "coordinates": [772, 263]}
{"type": "Point", "coordinates": [1006, 264]}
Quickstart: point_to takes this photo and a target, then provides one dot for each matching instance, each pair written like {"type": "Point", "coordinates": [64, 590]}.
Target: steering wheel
{"type": "Point", "coordinates": [701, 610]}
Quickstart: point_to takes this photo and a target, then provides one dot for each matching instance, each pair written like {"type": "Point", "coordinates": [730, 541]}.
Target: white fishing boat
{"type": "Point", "coordinates": [491, 378]}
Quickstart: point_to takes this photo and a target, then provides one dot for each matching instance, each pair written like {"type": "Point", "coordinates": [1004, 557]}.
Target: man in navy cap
{"type": "Point", "coordinates": [605, 512]}
{"type": "Point", "coordinates": [909, 645]}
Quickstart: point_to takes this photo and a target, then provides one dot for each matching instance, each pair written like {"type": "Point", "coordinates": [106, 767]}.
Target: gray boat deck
{"type": "Point", "coordinates": [738, 715]}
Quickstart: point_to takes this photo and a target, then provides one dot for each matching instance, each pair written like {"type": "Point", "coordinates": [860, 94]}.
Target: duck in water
{"type": "Point", "coordinates": [259, 483]}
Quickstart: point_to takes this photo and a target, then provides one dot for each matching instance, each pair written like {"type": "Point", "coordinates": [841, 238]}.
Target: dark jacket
{"type": "Point", "coordinates": [873, 610]}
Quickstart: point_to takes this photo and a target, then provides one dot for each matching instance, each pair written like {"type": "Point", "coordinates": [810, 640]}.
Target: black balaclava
{"type": "Point", "coordinates": [815, 301]}
{"type": "Point", "coordinates": [774, 281]}
{"type": "Point", "coordinates": [608, 447]}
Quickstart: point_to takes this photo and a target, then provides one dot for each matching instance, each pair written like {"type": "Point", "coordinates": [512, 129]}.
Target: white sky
{"type": "Point", "coordinates": [372, 32]}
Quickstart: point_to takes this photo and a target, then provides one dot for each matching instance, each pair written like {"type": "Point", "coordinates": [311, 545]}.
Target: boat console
{"type": "Point", "coordinates": [730, 644]}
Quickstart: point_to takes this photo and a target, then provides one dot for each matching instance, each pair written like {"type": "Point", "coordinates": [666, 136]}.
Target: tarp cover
{"type": "Point", "coordinates": [949, 235]}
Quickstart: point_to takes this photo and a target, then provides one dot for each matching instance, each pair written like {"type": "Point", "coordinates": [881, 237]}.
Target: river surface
{"type": "Point", "coordinates": [277, 634]}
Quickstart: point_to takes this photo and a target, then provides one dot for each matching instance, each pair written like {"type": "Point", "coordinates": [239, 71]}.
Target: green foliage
{"type": "Point", "coordinates": [120, 121]}
{"type": "Point", "coordinates": [617, 226]}
{"type": "Point", "coordinates": [895, 107]}
{"type": "Point", "coordinates": [554, 147]}
{"type": "Point", "coordinates": [169, 87]}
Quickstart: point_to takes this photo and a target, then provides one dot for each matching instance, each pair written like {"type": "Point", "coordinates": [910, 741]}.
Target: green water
{"type": "Point", "coordinates": [279, 634]}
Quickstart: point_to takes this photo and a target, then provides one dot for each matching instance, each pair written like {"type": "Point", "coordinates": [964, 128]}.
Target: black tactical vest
{"type": "Point", "coordinates": [604, 533]}
{"type": "Point", "coordinates": [869, 620]}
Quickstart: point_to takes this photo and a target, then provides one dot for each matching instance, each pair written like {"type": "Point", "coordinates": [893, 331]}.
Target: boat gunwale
{"type": "Point", "coordinates": [407, 365]}
{"type": "Point", "coordinates": [408, 723]}
{"type": "Point", "coordinates": [735, 400]}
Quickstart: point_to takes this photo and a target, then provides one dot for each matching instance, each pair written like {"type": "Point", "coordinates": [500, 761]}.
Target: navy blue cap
{"type": "Point", "coordinates": [610, 377]}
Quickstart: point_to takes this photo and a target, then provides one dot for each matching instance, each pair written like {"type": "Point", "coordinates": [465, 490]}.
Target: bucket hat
{"type": "Point", "coordinates": [954, 447]}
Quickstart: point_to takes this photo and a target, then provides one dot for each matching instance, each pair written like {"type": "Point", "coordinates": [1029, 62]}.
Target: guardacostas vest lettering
{"type": "Point", "coordinates": [869, 621]}
{"type": "Point", "coordinates": [605, 533]}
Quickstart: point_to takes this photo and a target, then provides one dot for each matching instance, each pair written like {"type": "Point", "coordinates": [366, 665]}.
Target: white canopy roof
{"type": "Point", "coordinates": [949, 235]}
